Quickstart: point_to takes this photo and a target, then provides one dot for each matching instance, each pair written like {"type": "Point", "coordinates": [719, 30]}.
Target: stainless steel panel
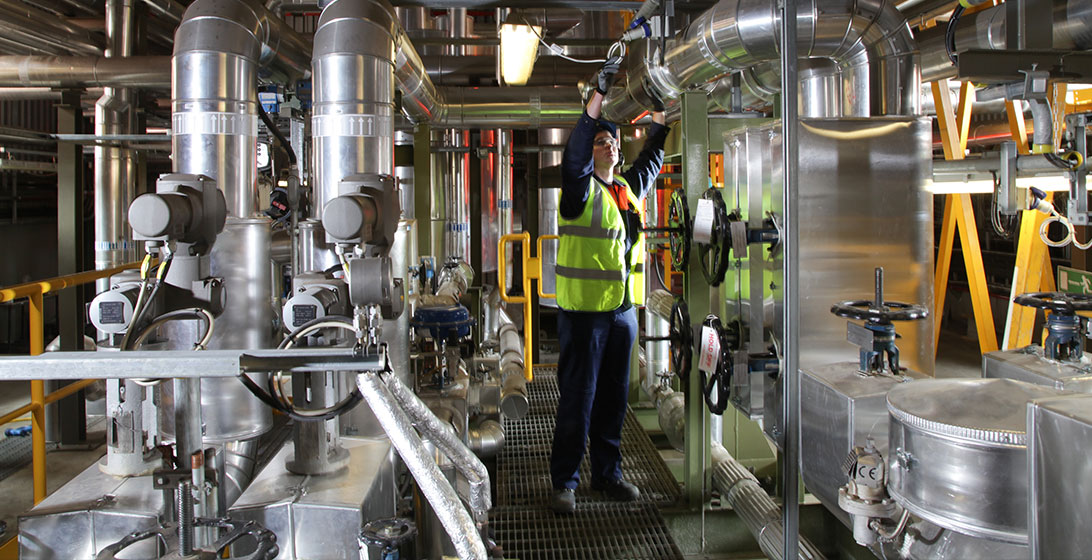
{"type": "Point", "coordinates": [957, 455]}
{"type": "Point", "coordinates": [1060, 479]}
{"type": "Point", "coordinates": [321, 516]}
{"type": "Point", "coordinates": [840, 409]}
{"type": "Point", "coordinates": [1028, 364]}
{"type": "Point", "coordinates": [864, 204]}
{"type": "Point", "coordinates": [90, 512]}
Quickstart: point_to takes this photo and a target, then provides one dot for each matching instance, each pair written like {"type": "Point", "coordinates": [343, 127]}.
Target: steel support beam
{"type": "Point", "coordinates": [67, 420]}
{"type": "Point", "coordinates": [695, 175]}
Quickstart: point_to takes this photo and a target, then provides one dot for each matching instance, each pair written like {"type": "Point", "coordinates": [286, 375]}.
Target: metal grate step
{"type": "Point", "coordinates": [527, 529]}
{"type": "Point", "coordinates": [597, 531]}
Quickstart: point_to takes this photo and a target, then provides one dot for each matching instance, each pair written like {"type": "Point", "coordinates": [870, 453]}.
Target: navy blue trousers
{"type": "Point", "coordinates": [593, 379]}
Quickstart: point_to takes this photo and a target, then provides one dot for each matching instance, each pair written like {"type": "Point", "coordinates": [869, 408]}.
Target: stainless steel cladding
{"type": "Point", "coordinates": [353, 122]}
{"type": "Point", "coordinates": [314, 255]}
{"type": "Point", "coordinates": [491, 170]}
{"type": "Point", "coordinates": [735, 35]}
{"type": "Point", "coordinates": [840, 409]}
{"type": "Point", "coordinates": [1028, 364]}
{"type": "Point", "coordinates": [311, 515]}
{"type": "Point", "coordinates": [456, 185]}
{"type": "Point", "coordinates": [957, 453]}
{"type": "Point", "coordinates": [1059, 436]}
{"type": "Point", "coordinates": [864, 204]}
{"type": "Point", "coordinates": [218, 49]}
{"type": "Point", "coordinates": [403, 177]}
{"type": "Point", "coordinates": [241, 257]}
{"type": "Point", "coordinates": [1071, 30]}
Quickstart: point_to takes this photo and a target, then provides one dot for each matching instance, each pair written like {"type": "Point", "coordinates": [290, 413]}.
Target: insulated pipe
{"type": "Point", "coordinates": [734, 35]}
{"type": "Point", "coordinates": [430, 480]}
{"type": "Point", "coordinates": [468, 464]}
{"type": "Point", "coordinates": [24, 23]}
{"type": "Point", "coordinates": [353, 122]}
{"type": "Point", "coordinates": [1072, 30]}
{"type": "Point", "coordinates": [487, 439]}
{"type": "Point", "coordinates": [153, 72]}
{"type": "Point", "coordinates": [219, 48]}
{"type": "Point", "coordinates": [115, 166]}
{"type": "Point", "coordinates": [754, 506]}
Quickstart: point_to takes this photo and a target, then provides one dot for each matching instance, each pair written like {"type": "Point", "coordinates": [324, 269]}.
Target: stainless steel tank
{"type": "Point", "coordinates": [957, 453]}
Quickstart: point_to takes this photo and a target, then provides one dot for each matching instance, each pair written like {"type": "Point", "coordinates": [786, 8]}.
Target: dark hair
{"type": "Point", "coordinates": [609, 127]}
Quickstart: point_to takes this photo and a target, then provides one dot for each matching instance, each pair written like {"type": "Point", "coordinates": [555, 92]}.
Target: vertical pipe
{"type": "Point", "coordinates": [115, 167]}
{"type": "Point", "coordinates": [37, 398]}
{"type": "Point", "coordinates": [490, 199]}
{"type": "Point", "coordinates": [790, 417]}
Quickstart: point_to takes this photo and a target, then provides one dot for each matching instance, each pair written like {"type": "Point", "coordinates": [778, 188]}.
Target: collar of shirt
{"type": "Point", "coordinates": [617, 192]}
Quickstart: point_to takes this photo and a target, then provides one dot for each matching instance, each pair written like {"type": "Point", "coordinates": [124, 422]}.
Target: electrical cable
{"type": "Point", "coordinates": [949, 34]}
{"type": "Point", "coordinates": [314, 415]}
{"type": "Point", "coordinates": [556, 50]}
{"type": "Point", "coordinates": [193, 313]}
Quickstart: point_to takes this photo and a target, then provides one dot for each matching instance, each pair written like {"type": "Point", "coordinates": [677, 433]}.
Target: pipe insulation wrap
{"type": "Point", "coordinates": [468, 464]}
{"type": "Point", "coordinates": [734, 35]}
{"type": "Point", "coordinates": [430, 480]}
{"type": "Point", "coordinates": [762, 516]}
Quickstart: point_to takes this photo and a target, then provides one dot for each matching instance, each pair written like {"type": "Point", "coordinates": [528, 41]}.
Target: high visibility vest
{"type": "Point", "coordinates": [592, 274]}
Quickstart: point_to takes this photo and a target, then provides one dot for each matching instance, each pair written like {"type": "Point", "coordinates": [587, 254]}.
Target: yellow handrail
{"type": "Point", "coordinates": [532, 269]}
{"type": "Point", "coordinates": [34, 291]}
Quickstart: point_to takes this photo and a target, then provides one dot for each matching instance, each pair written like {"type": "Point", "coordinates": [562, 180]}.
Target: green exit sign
{"type": "Point", "coordinates": [1074, 281]}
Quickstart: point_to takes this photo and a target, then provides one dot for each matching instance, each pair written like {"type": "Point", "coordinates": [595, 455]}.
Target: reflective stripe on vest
{"type": "Point", "coordinates": [591, 271]}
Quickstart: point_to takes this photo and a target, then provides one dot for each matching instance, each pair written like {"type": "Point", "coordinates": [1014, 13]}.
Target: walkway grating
{"type": "Point", "coordinates": [527, 529]}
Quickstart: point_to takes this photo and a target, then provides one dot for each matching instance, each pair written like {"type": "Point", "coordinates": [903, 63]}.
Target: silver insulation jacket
{"type": "Point", "coordinates": [468, 464]}
{"type": "Point", "coordinates": [754, 506]}
{"type": "Point", "coordinates": [430, 480]}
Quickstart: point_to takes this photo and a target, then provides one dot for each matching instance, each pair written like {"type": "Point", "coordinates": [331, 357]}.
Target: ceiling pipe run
{"type": "Point", "coordinates": [735, 35]}
{"type": "Point", "coordinates": [152, 72]}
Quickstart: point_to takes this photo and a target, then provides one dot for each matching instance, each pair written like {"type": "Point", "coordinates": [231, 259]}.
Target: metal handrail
{"type": "Point", "coordinates": [34, 291]}
{"type": "Point", "coordinates": [532, 270]}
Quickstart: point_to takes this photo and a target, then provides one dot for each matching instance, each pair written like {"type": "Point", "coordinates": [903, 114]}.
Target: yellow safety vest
{"type": "Point", "coordinates": [591, 268]}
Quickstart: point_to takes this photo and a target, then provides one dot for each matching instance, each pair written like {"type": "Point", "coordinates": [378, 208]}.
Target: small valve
{"type": "Point", "coordinates": [876, 337]}
{"type": "Point", "coordinates": [864, 497]}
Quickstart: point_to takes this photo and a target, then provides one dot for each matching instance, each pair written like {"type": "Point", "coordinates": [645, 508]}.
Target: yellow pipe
{"type": "Point", "coordinates": [51, 398]}
{"type": "Point", "coordinates": [15, 414]}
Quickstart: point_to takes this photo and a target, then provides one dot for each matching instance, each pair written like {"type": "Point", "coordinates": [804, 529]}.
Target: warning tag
{"type": "Point", "coordinates": [703, 221]}
{"type": "Point", "coordinates": [710, 350]}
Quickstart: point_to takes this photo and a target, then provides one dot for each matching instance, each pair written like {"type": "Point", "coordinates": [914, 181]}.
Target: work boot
{"type": "Point", "coordinates": [618, 490]}
{"type": "Point", "coordinates": [564, 501]}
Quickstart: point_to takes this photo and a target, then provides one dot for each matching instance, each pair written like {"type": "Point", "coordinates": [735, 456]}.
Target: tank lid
{"type": "Point", "coordinates": [990, 411]}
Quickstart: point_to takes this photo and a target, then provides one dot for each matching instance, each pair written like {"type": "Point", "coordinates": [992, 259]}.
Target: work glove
{"type": "Point", "coordinates": [605, 77]}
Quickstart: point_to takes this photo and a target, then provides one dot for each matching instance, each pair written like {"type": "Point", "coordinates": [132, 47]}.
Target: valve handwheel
{"type": "Point", "coordinates": [678, 224]}
{"type": "Point", "coordinates": [682, 339]}
{"type": "Point", "coordinates": [883, 314]}
{"type": "Point", "coordinates": [714, 255]}
{"type": "Point", "coordinates": [717, 386]}
{"type": "Point", "coordinates": [1057, 302]}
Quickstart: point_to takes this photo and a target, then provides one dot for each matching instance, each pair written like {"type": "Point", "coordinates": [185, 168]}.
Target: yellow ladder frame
{"type": "Point", "coordinates": [959, 215]}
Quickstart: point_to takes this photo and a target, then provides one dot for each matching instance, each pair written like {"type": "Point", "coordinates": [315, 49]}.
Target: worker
{"type": "Point", "coordinates": [599, 281]}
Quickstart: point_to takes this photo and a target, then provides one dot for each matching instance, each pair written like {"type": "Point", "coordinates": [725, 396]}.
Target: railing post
{"type": "Point", "coordinates": [37, 398]}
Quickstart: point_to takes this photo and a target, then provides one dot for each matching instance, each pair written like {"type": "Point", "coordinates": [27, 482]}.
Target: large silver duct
{"type": "Point", "coordinates": [83, 71]}
{"type": "Point", "coordinates": [218, 49]}
{"type": "Point", "coordinates": [1072, 30]}
{"type": "Point", "coordinates": [115, 166]}
{"type": "Point", "coordinates": [735, 35]}
{"type": "Point", "coordinates": [353, 123]}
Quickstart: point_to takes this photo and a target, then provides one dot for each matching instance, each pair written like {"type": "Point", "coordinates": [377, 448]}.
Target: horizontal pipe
{"type": "Point", "coordinates": [153, 72]}
{"type": "Point", "coordinates": [61, 282]}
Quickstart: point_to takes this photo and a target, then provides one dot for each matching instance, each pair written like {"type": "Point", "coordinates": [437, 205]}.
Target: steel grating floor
{"type": "Point", "coordinates": [527, 529]}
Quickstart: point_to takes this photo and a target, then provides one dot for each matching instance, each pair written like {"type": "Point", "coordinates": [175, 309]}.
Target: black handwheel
{"type": "Point", "coordinates": [1061, 303]}
{"type": "Point", "coordinates": [682, 339]}
{"type": "Point", "coordinates": [678, 220]}
{"type": "Point", "coordinates": [717, 386]}
{"type": "Point", "coordinates": [714, 255]}
{"type": "Point", "coordinates": [865, 310]}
